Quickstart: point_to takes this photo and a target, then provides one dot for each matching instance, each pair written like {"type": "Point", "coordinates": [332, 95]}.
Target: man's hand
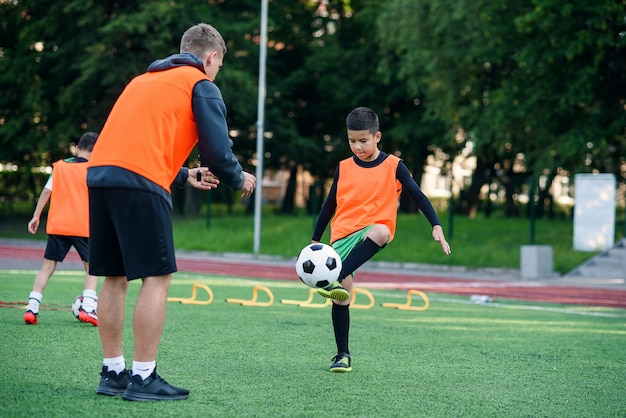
{"type": "Point", "coordinates": [249, 184]}
{"type": "Point", "coordinates": [441, 239]}
{"type": "Point", "coordinates": [201, 178]}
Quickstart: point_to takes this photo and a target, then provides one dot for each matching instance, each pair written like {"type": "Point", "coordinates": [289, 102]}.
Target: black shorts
{"type": "Point", "coordinates": [59, 245]}
{"type": "Point", "coordinates": [130, 234]}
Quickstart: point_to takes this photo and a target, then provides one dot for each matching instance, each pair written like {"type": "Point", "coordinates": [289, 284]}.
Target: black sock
{"type": "Point", "coordinates": [341, 325]}
{"type": "Point", "coordinates": [362, 252]}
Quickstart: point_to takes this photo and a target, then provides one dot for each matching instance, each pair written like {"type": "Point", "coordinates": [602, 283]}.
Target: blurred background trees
{"type": "Point", "coordinates": [529, 89]}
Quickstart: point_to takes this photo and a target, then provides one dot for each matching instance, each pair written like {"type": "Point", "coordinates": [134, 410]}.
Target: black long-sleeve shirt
{"type": "Point", "coordinates": [402, 175]}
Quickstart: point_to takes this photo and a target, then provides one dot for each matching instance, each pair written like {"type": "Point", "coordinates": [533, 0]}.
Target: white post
{"type": "Point", "coordinates": [258, 197]}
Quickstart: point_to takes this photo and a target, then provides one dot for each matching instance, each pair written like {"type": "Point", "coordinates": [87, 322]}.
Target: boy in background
{"type": "Point", "coordinates": [67, 226]}
{"type": "Point", "coordinates": [362, 203]}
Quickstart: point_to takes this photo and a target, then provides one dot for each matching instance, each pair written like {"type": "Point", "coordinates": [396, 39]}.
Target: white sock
{"type": "Point", "coordinates": [143, 368]}
{"type": "Point", "coordinates": [34, 299]}
{"type": "Point", "coordinates": [90, 299]}
{"type": "Point", "coordinates": [115, 364]}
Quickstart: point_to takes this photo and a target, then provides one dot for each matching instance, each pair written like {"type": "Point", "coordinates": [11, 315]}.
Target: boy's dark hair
{"type": "Point", "coordinates": [87, 141]}
{"type": "Point", "coordinates": [362, 119]}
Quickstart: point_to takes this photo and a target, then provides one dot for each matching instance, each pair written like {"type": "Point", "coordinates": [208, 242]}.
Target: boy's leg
{"type": "Point", "coordinates": [45, 272]}
{"type": "Point", "coordinates": [376, 237]}
{"type": "Point", "coordinates": [57, 248]}
{"type": "Point", "coordinates": [362, 252]}
{"type": "Point", "coordinates": [340, 314]}
{"type": "Point", "coordinates": [356, 257]}
{"type": "Point", "coordinates": [90, 298]}
{"type": "Point", "coordinates": [91, 282]}
{"type": "Point", "coordinates": [34, 298]}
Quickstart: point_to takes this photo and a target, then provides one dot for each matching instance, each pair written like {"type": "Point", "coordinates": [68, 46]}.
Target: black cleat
{"type": "Point", "coordinates": [111, 383]}
{"type": "Point", "coordinates": [342, 363]}
{"type": "Point", "coordinates": [153, 388]}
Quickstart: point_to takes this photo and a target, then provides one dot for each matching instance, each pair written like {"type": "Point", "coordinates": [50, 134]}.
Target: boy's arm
{"type": "Point", "coordinates": [411, 187]}
{"type": "Point", "coordinates": [33, 225]}
{"type": "Point", "coordinates": [328, 209]}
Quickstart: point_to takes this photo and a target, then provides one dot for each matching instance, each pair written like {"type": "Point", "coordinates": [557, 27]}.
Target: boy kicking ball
{"type": "Point", "coordinates": [362, 203]}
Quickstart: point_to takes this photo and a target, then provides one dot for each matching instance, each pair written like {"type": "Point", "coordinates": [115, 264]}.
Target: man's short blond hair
{"type": "Point", "coordinates": [202, 39]}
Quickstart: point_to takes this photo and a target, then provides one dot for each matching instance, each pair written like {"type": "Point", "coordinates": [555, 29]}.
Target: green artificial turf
{"type": "Point", "coordinates": [506, 359]}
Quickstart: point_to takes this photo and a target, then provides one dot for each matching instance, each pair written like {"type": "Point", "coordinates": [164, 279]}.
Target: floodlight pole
{"type": "Point", "coordinates": [258, 194]}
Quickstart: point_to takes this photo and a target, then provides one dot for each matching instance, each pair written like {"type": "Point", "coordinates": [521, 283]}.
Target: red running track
{"type": "Point", "coordinates": [524, 290]}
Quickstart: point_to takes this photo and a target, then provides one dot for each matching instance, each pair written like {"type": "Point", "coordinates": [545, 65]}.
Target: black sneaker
{"type": "Point", "coordinates": [153, 388]}
{"type": "Point", "coordinates": [111, 383]}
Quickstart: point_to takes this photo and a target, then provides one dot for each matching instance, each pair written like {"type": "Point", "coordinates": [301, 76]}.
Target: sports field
{"type": "Point", "coordinates": [455, 358]}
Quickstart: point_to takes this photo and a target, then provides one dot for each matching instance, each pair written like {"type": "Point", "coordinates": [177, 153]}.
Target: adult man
{"type": "Point", "coordinates": [152, 128]}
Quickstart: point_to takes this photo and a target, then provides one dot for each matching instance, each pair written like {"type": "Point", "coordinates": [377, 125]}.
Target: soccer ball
{"type": "Point", "coordinates": [78, 301]}
{"type": "Point", "coordinates": [318, 265]}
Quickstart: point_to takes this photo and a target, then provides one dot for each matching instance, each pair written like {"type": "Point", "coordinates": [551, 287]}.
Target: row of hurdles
{"type": "Point", "coordinates": [308, 303]}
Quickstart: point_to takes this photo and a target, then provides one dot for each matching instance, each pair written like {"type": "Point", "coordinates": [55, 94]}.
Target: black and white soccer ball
{"type": "Point", "coordinates": [318, 265]}
{"type": "Point", "coordinates": [78, 302]}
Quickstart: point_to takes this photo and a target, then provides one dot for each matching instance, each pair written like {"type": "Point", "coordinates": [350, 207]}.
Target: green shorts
{"type": "Point", "coordinates": [344, 245]}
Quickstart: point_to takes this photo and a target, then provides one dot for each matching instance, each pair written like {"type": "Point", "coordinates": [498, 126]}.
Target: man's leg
{"type": "Point", "coordinates": [149, 317]}
{"type": "Point", "coordinates": [114, 376]}
{"type": "Point", "coordinates": [148, 321]}
{"type": "Point", "coordinates": [111, 315]}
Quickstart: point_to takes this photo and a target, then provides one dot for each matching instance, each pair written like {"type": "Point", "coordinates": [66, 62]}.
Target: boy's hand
{"type": "Point", "coordinates": [441, 239]}
{"type": "Point", "coordinates": [33, 225]}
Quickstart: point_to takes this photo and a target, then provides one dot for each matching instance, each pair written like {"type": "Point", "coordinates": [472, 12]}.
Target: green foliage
{"type": "Point", "coordinates": [539, 77]}
{"type": "Point", "coordinates": [500, 239]}
{"type": "Point", "coordinates": [454, 359]}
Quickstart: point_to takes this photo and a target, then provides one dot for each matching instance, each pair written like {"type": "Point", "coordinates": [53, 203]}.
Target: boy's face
{"type": "Point", "coordinates": [364, 144]}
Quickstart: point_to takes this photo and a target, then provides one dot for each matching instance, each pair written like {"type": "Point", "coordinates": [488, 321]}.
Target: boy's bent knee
{"type": "Point", "coordinates": [380, 234]}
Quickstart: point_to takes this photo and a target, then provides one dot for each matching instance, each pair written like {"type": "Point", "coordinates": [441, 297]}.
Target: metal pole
{"type": "Point", "coordinates": [531, 202]}
{"type": "Point", "coordinates": [450, 231]}
{"type": "Point", "coordinates": [258, 194]}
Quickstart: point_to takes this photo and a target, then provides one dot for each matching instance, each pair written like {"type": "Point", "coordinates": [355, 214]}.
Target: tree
{"type": "Point", "coordinates": [536, 78]}
{"type": "Point", "coordinates": [64, 64]}
{"type": "Point", "coordinates": [341, 73]}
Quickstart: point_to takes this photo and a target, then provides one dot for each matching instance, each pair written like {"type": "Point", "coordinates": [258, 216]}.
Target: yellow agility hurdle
{"type": "Point", "coordinates": [307, 303]}
{"type": "Point", "coordinates": [255, 295]}
{"type": "Point", "coordinates": [407, 306]}
{"type": "Point", "coordinates": [365, 292]}
{"type": "Point", "coordinates": [193, 299]}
